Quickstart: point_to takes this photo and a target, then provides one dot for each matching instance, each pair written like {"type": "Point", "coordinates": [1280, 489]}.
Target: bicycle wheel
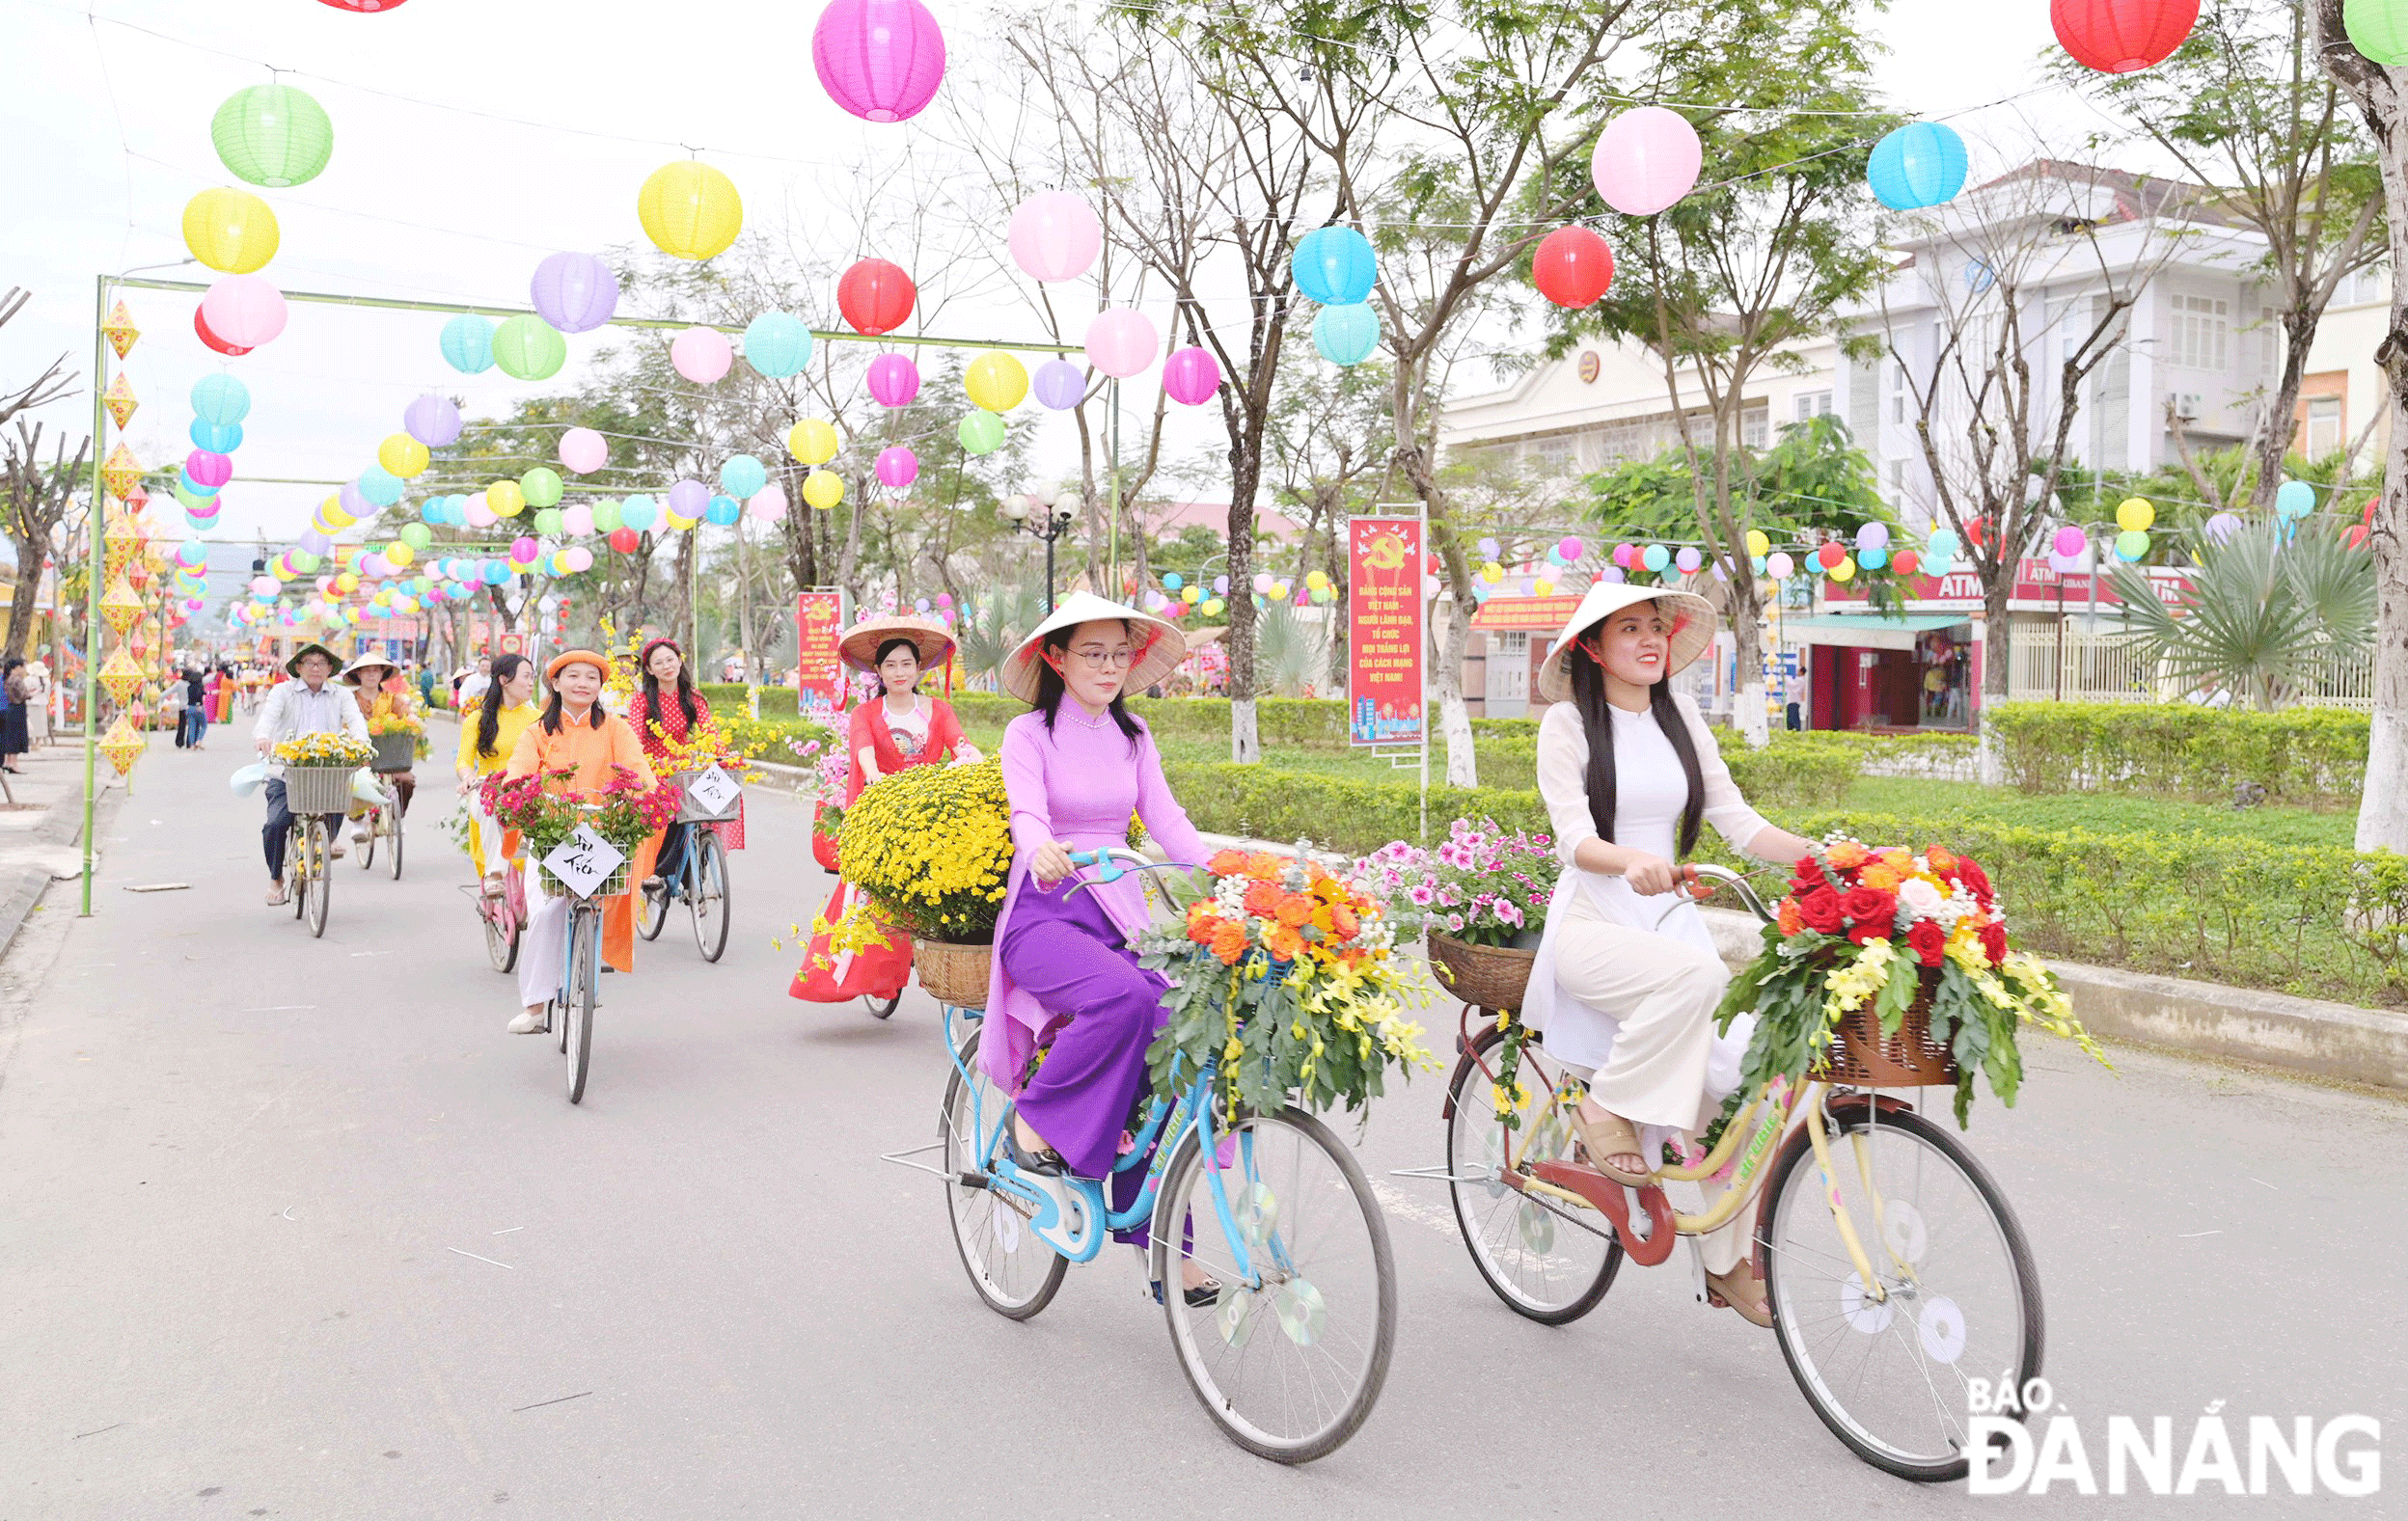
{"type": "Point", "coordinates": [585, 973]}
{"type": "Point", "coordinates": [652, 908]}
{"type": "Point", "coordinates": [1291, 1367]}
{"type": "Point", "coordinates": [367, 847]}
{"type": "Point", "coordinates": [501, 946]}
{"type": "Point", "coordinates": [881, 1008]}
{"type": "Point", "coordinates": [1889, 1378]}
{"type": "Point", "coordinates": [1014, 1272]}
{"type": "Point", "coordinates": [1543, 1262]}
{"type": "Point", "coordinates": [321, 876]}
{"type": "Point", "coordinates": [297, 866]}
{"type": "Point", "coordinates": [706, 892]}
{"type": "Point", "coordinates": [393, 861]}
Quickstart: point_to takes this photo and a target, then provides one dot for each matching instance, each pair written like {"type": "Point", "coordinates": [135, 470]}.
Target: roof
{"type": "Point", "coordinates": [1868, 630]}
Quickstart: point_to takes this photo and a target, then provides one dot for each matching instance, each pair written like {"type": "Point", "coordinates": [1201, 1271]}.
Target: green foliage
{"type": "Point", "coordinates": [1814, 480]}
{"type": "Point", "coordinates": [2301, 756]}
{"type": "Point", "coordinates": [728, 698]}
{"type": "Point", "coordinates": [2264, 618]}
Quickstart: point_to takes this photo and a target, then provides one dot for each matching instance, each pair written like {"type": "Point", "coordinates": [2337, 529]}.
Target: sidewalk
{"type": "Point", "coordinates": [42, 830]}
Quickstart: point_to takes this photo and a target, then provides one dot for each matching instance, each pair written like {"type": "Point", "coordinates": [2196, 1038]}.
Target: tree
{"type": "Point", "coordinates": [2270, 613]}
{"type": "Point", "coordinates": [50, 384]}
{"type": "Point", "coordinates": [1812, 481]}
{"type": "Point", "coordinates": [36, 497]}
{"type": "Point", "coordinates": [1329, 432]}
{"type": "Point", "coordinates": [2243, 105]}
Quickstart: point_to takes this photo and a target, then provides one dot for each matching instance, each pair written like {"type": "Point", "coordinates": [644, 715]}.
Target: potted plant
{"type": "Point", "coordinates": [931, 849]}
{"type": "Point", "coordinates": [1480, 897]}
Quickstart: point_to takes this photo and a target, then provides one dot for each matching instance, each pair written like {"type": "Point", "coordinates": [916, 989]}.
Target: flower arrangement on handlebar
{"type": "Point", "coordinates": [545, 810]}
{"type": "Point", "coordinates": [325, 748]}
{"type": "Point", "coordinates": [1484, 884]}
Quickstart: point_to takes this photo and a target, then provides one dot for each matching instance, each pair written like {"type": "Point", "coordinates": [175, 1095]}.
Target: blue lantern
{"type": "Point", "coordinates": [1334, 265]}
{"type": "Point", "coordinates": [1920, 164]}
{"type": "Point", "coordinates": [379, 485]}
{"type": "Point", "coordinates": [2294, 499]}
{"type": "Point", "coordinates": [637, 513]}
{"type": "Point", "coordinates": [777, 345]}
{"type": "Point", "coordinates": [723, 512]}
{"type": "Point", "coordinates": [1172, 580]}
{"type": "Point", "coordinates": [743, 475]}
{"type": "Point", "coordinates": [221, 399]}
{"type": "Point", "coordinates": [1347, 334]}
{"type": "Point", "coordinates": [218, 438]}
{"type": "Point", "coordinates": [468, 343]}
{"type": "Point", "coordinates": [192, 487]}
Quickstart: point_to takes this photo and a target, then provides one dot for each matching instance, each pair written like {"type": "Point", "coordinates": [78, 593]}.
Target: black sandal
{"type": "Point", "coordinates": [1047, 1163]}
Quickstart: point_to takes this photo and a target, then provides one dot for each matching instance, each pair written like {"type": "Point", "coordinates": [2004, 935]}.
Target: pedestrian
{"type": "Point", "coordinates": [307, 704]}
{"type": "Point", "coordinates": [37, 671]}
{"type": "Point", "coordinates": [196, 707]}
{"type": "Point", "coordinates": [171, 713]}
{"type": "Point", "coordinates": [472, 689]}
{"type": "Point", "coordinates": [16, 734]}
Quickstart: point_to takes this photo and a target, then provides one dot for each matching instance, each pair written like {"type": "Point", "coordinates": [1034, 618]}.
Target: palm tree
{"type": "Point", "coordinates": [2272, 610]}
{"type": "Point", "coordinates": [1287, 650]}
{"type": "Point", "coordinates": [992, 627]}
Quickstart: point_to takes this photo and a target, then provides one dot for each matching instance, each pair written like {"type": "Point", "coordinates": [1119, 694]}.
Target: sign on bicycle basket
{"type": "Point", "coordinates": [714, 790]}
{"type": "Point", "coordinates": [583, 861]}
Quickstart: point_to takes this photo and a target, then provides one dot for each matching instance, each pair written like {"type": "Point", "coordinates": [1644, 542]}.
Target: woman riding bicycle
{"type": "Point", "coordinates": [376, 686]}
{"type": "Point", "coordinates": [663, 720]}
{"type": "Point", "coordinates": [574, 734]}
{"type": "Point", "coordinates": [1626, 979]}
{"type": "Point", "coordinates": [488, 737]}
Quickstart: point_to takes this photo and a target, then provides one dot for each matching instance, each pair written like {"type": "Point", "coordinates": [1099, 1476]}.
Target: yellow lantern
{"type": "Point", "coordinates": [121, 746]}
{"type": "Point", "coordinates": [120, 330]}
{"type": "Point", "coordinates": [690, 210]}
{"type": "Point", "coordinates": [332, 515]}
{"type": "Point", "coordinates": [229, 230]}
{"type": "Point", "coordinates": [2134, 514]}
{"type": "Point", "coordinates": [823, 489]}
{"type": "Point", "coordinates": [1318, 581]}
{"type": "Point", "coordinates": [996, 382]}
{"type": "Point", "coordinates": [120, 606]}
{"type": "Point", "coordinates": [1845, 570]}
{"type": "Point", "coordinates": [813, 441]}
{"type": "Point", "coordinates": [402, 455]}
{"type": "Point", "coordinates": [119, 676]}
{"type": "Point", "coordinates": [505, 499]}
{"type": "Point", "coordinates": [119, 399]}
{"type": "Point", "coordinates": [122, 474]}
{"type": "Point", "coordinates": [347, 583]}
{"type": "Point", "coordinates": [1757, 543]}
{"type": "Point", "coordinates": [399, 553]}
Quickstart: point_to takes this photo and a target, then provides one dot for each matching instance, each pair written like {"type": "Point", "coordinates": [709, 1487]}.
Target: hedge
{"type": "Point", "coordinates": [2314, 756]}
{"type": "Point", "coordinates": [729, 697]}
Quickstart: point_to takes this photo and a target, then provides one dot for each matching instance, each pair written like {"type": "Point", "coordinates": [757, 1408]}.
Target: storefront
{"type": "Point", "coordinates": [1869, 672]}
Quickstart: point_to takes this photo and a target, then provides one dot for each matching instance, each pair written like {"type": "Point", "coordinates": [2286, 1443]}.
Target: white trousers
{"type": "Point", "coordinates": [543, 946]}
{"type": "Point", "coordinates": [488, 836]}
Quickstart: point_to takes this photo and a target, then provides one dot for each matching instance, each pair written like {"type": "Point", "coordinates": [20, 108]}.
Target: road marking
{"type": "Point", "coordinates": [2193, 1236]}
{"type": "Point", "coordinates": [563, 1400]}
{"type": "Point", "coordinates": [1406, 1208]}
{"type": "Point", "coordinates": [508, 1228]}
{"type": "Point", "coordinates": [480, 1259]}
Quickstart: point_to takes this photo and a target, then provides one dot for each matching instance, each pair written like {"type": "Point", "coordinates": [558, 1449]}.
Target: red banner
{"type": "Point", "coordinates": [1384, 634]}
{"type": "Point", "coordinates": [818, 675]}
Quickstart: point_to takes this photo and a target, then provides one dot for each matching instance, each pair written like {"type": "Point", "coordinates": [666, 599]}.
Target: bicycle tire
{"type": "Point", "coordinates": [367, 847]}
{"type": "Point", "coordinates": [321, 878]}
{"type": "Point", "coordinates": [1508, 1234]}
{"type": "Point", "coordinates": [395, 866]}
{"type": "Point", "coordinates": [501, 948]}
{"type": "Point", "coordinates": [1800, 1193]}
{"type": "Point", "coordinates": [706, 892]}
{"type": "Point", "coordinates": [1276, 1215]}
{"type": "Point", "coordinates": [1006, 1259]}
{"type": "Point", "coordinates": [881, 1008]}
{"type": "Point", "coordinates": [297, 867]}
{"type": "Point", "coordinates": [585, 944]}
{"type": "Point", "coordinates": [651, 910]}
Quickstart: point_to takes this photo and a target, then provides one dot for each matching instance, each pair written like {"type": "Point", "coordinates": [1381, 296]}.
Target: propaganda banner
{"type": "Point", "coordinates": [818, 675]}
{"type": "Point", "coordinates": [1384, 632]}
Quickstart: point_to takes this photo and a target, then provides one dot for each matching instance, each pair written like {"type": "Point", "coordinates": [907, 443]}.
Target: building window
{"type": "Point", "coordinates": [1897, 393]}
{"type": "Point", "coordinates": [1553, 455]}
{"type": "Point", "coordinates": [2370, 284]}
{"type": "Point", "coordinates": [1756, 428]}
{"type": "Point", "coordinates": [1812, 404]}
{"type": "Point", "coordinates": [2202, 330]}
{"type": "Point", "coordinates": [2324, 425]}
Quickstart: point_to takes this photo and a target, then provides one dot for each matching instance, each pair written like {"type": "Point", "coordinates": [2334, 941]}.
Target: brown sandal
{"type": "Point", "coordinates": [1742, 1290]}
{"type": "Point", "coordinates": [1612, 1136]}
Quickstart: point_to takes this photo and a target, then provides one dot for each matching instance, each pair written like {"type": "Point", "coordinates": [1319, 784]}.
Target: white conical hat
{"type": "Point", "coordinates": [1160, 646]}
{"type": "Point", "coordinates": [1693, 624]}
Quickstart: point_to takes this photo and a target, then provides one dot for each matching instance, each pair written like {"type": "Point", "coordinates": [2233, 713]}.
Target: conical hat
{"type": "Point", "coordinates": [858, 649]}
{"type": "Point", "coordinates": [1693, 625]}
{"type": "Point", "coordinates": [1160, 646]}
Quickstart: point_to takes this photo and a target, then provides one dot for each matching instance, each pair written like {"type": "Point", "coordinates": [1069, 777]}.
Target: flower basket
{"type": "Point", "coordinates": [1861, 1057]}
{"type": "Point", "coordinates": [690, 810]}
{"type": "Point", "coordinates": [318, 789]}
{"type": "Point", "coordinates": [1491, 977]}
{"type": "Point", "coordinates": [953, 974]}
{"type": "Point", "coordinates": [610, 886]}
{"type": "Point", "coordinates": [396, 752]}
{"type": "Point", "coordinates": [823, 840]}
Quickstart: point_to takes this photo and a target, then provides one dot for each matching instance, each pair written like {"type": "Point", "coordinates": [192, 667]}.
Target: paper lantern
{"type": "Point", "coordinates": [980, 433]}
{"type": "Point", "coordinates": [244, 310]}
{"type": "Point", "coordinates": [2376, 28]}
{"type": "Point", "coordinates": [769, 503]}
{"type": "Point", "coordinates": [2294, 498]}
{"type": "Point", "coordinates": [996, 382]}
{"type": "Point", "coordinates": [1346, 335]}
{"type": "Point", "coordinates": [1646, 160]}
{"type": "Point", "coordinates": [207, 470]}
{"type": "Point", "coordinates": [2223, 526]}
{"type": "Point", "coordinates": [1334, 266]}
{"type": "Point", "coordinates": [1845, 570]}
{"type": "Point", "coordinates": [229, 230]}
{"type": "Point", "coordinates": [1873, 536]}
{"type": "Point", "coordinates": [741, 475]}
{"type": "Point", "coordinates": [2131, 544]}
{"type": "Point", "coordinates": [606, 517]}
{"type": "Point", "coordinates": [576, 518]}
{"type": "Point", "coordinates": [1192, 375]}
{"type": "Point", "coordinates": [574, 293]}
{"type": "Point", "coordinates": [1059, 384]}
{"type": "Point", "coordinates": [625, 540]}
{"type": "Point", "coordinates": [524, 550]}
{"type": "Point", "coordinates": [416, 535]}
{"type": "Point", "coordinates": [897, 466]}
{"type": "Point", "coordinates": [216, 344]}
{"type": "Point", "coordinates": [1121, 342]}
{"type": "Point", "coordinates": [272, 135]}
{"type": "Point", "coordinates": [813, 441]}
{"type": "Point", "coordinates": [687, 500]}
{"type": "Point", "coordinates": [701, 354]}
{"type": "Point", "coordinates": [365, 7]}
{"type": "Point", "coordinates": [467, 343]}
{"type": "Point", "coordinates": [402, 456]}
{"type": "Point", "coordinates": [777, 345]}
{"type": "Point", "coordinates": [823, 489]}
{"type": "Point", "coordinates": [120, 330]}
{"type": "Point", "coordinates": [504, 499]}
{"type": "Point", "coordinates": [1655, 556]}
{"type": "Point", "coordinates": [1906, 563]}
{"type": "Point", "coordinates": [882, 60]}
{"type": "Point", "coordinates": [398, 552]}
{"type": "Point", "coordinates": [432, 420]}
{"type": "Point", "coordinates": [638, 513]}
{"type": "Point", "coordinates": [893, 380]}
{"type": "Point", "coordinates": [1054, 236]}
{"type": "Point", "coordinates": [380, 486]}
{"type": "Point", "coordinates": [527, 347]}
{"type": "Point", "coordinates": [584, 451]}
{"type": "Point", "coordinates": [220, 399]}
{"type": "Point", "coordinates": [540, 486]}
{"type": "Point", "coordinates": [2134, 514]}
{"type": "Point", "coordinates": [2117, 37]}
{"type": "Point", "coordinates": [690, 210]}
{"type": "Point", "coordinates": [722, 511]}
{"type": "Point", "coordinates": [2069, 542]}
{"type": "Point", "coordinates": [1572, 267]}
{"type": "Point", "coordinates": [1920, 164]}
{"type": "Point", "coordinates": [875, 296]}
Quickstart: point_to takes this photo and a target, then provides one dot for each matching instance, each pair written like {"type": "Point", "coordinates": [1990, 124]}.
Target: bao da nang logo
{"type": "Point", "coordinates": [2024, 1442]}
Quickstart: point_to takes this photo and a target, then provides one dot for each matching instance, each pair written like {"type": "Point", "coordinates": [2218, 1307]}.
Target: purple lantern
{"type": "Point", "coordinates": [208, 470]}
{"type": "Point", "coordinates": [1059, 384]}
{"type": "Point", "coordinates": [432, 420]}
{"type": "Point", "coordinates": [689, 499]}
{"type": "Point", "coordinates": [348, 498]}
{"type": "Point", "coordinates": [893, 380]}
{"type": "Point", "coordinates": [1192, 375]}
{"type": "Point", "coordinates": [899, 467]}
{"type": "Point", "coordinates": [880, 59]}
{"type": "Point", "coordinates": [574, 293]}
{"type": "Point", "coordinates": [315, 542]}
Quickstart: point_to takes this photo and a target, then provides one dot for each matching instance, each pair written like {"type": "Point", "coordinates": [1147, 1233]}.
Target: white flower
{"type": "Point", "coordinates": [1920, 897]}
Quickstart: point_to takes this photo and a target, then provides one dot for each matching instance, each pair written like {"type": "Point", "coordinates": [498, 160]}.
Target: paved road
{"type": "Point", "coordinates": [292, 1227]}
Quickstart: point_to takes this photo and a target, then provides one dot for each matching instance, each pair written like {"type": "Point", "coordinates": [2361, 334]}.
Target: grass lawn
{"type": "Point", "coordinates": [2101, 812]}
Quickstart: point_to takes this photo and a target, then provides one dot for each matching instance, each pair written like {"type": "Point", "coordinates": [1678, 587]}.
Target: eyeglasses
{"type": "Point", "coordinates": [1104, 658]}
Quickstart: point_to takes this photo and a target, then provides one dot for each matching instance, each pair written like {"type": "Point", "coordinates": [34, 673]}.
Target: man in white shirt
{"type": "Point", "coordinates": [308, 704]}
{"type": "Point", "coordinates": [472, 689]}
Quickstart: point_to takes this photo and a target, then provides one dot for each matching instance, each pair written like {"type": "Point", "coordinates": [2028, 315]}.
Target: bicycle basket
{"type": "Point", "coordinates": [318, 789]}
{"type": "Point", "coordinates": [692, 811]}
{"type": "Point", "coordinates": [1861, 1057]}
{"type": "Point", "coordinates": [394, 753]}
{"type": "Point", "coordinates": [610, 886]}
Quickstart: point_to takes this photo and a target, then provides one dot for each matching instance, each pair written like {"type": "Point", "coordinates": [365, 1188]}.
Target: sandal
{"type": "Point", "coordinates": [1045, 1163]}
{"type": "Point", "coordinates": [1612, 1136]}
{"type": "Point", "coordinates": [1742, 1290]}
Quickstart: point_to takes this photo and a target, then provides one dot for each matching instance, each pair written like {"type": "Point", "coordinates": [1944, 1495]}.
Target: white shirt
{"type": "Point", "coordinates": [910, 729]}
{"type": "Point", "coordinates": [293, 710]}
{"type": "Point", "coordinates": [474, 688]}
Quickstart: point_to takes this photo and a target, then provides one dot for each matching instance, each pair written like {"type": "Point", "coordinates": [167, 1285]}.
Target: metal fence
{"type": "Point", "coordinates": [2080, 666]}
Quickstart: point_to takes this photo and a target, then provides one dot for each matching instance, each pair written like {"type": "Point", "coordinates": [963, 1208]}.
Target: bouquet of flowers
{"type": "Point", "coordinates": [932, 847]}
{"type": "Point", "coordinates": [1287, 975]}
{"type": "Point", "coordinates": [385, 724]}
{"type": "Point", "coordinates": [331, 749]}
{"type": "Point", "coordinates": [1898, 933]}
{"type": "Point", "coordinates": [544, 809]}
{"type": "Point", "coordinates": [1484, 885]}
{"type": "Point", "coordinates": [707, 744]}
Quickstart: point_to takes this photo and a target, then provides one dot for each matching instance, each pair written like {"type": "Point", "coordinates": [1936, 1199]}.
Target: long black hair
{"type": "Point", "coordinates": [686, 694]}
{"type": "Point", "coordinates": [1596, 720]}
{"type": "Point", "coordinates": [1051, 691]}
{"type": "Point", "coordinates": [551, 719]}
{"type": "Point", "coordinates": [489, 706]}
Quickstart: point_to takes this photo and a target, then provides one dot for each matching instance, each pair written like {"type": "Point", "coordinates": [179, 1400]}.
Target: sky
{"type": "Point", "coordinates": [473, 137]}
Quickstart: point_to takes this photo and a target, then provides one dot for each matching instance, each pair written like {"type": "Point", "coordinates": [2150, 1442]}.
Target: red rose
{"type": "Point", "coordinates": [1993, 938]}
{"type": "Point", "coordinates": [1867, 931]}
{"type": "Point", "coordinates": [1925, 939]}
{"type": "Point", "coordinates": [1870, 905]}
{"type": "Point", "coordinates": [1808, 875]}
{"type": "Point", "coordinates": [1975, 881]}
{"type": "Point", "coordinates": [1820, 911]}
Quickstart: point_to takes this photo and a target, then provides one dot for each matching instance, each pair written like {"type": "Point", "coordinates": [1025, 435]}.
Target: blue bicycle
{"type": "Point", "coordinates": [1267, 1251]}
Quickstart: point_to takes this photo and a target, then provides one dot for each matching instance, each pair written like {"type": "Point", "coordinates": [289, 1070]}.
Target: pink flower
{"type": "Point", "coordinates": [1422, 894]}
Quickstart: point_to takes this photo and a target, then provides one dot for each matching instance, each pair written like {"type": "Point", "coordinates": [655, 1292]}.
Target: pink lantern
{"type": "Point", "coordinates": [1569, 547]}
{"type": "Point", "coordinates": [1192, 375]}
{"type": "Point", "coordinates": [880, 59]}
{"type": "Point", "coordinates": [701, 354]}
{"type": "Point", "coordinates": [897, 466]}
{"type": "Point", "coordinates": [577, 557]}
{"type": "Point", "coordinates": [577, 519]}
{"type": "Point", "coordinates": [689, 499]}
{"type": "Point", "coordinates": [246, 310]}
{"type": "Point", "coordinates": [1121, 342]}
{"type": "Point", "coordinates": [893, 380]}
{"type": "Point", "coordinates": [2070, 542]}
{"type": "Point", "coordinates": [1646, 160]}
{"type": "Point", "coordinates": [584, 451]}
{"type": "Point", "coordinates": [208, 470]}
{"type": "Point", "coordinates": [523, 550]}
{"type": "Point", "coordinates": [769, 503]}
{"type": "Point", "coordinates": [478, 514]}
{"type": "Point", "coordinates": [574, 293]}
{"type": "Point", "coordinates": [1054, 236]}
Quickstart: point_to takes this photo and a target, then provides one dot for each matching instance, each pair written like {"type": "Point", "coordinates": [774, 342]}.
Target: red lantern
{"type": "Point", "coordinates": [365, 7]}
{"type": "Point", "coordinates": [625, 540]}
{"type": "Point", "coordinates": [1829, 556]}
{"type": "Point", "coordinates": [2356, 537]}
{"type": "Point", "coordinates": [201, 325]}
{"type": "Point", "coordinates": [1907, 562]}
{"type": "Point", "coordinates": [2117, 37]}
{"type": "Point", "coordinates": [1572, 267]}
{"type": "Point", "coordinates": [875, 296]}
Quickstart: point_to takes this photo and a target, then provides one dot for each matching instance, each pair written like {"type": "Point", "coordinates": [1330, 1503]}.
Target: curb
{"type": "Point", "coordinates": [22, 891]}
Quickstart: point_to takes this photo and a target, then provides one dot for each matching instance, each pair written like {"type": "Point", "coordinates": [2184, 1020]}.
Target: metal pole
{"type": "Point", "coordinates": [92, 575]}
{"type": "Point", "coordinates": [1111, 560]}
{"type": "Point", "coordinates": [1050, 535]}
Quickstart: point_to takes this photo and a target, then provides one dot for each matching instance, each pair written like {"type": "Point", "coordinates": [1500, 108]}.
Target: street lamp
{"type": "Point", "coordinates": [1054, 509]}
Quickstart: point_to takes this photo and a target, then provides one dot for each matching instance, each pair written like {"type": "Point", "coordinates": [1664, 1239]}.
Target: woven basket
{"type": "Point", "coordinates": [690, 811]}
{"type": "Point", "coordinates": [610, 886]}
{"type": "Point", "coordinates": [318, 789]}
{"type": "Point", "coordinates": [1861, 1057]}
{"type": "Point", "coordinates": [954, 974]}
{"type": "Point", "coordinates": [394, 753]}
{"type": "Point", "coordinates": [1491, 977]}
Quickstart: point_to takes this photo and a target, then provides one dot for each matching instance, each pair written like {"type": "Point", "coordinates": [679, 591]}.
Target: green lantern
{"type": "Point", "coordinates": [547, 522]}
{"type": "Point", "coordinates": [2378, 29]}
{"type": "Point", "coordinates": [527, 347]}
{"type": "Point", "coordinates": [605, 516]}
{"type": "Point", "coordinates": [980, 432]}
{"type": "Point", "coordinates": [541, 485]}
{"type": "Point", "coordinates": [416, 535]}
{"type": "Point", "coordinates": [273, 135]}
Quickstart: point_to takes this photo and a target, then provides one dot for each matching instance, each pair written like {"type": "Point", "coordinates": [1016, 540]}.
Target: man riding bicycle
{"type": "Point", "coordinates": [305, 705]}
